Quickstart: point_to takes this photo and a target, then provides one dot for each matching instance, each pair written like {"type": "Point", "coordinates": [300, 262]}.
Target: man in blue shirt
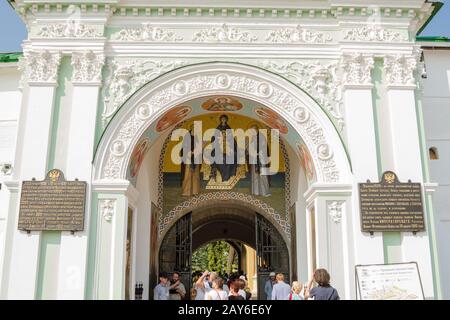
{"type": "Point", "coordinates": [269, 286]}
{"type": "Point", "coordinates": [161, 291]}
{"type": "Point", "coordinates": [281, 289]}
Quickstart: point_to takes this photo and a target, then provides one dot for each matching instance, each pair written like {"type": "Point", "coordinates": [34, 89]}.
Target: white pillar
{"type": "Point", "coordinates": [360, 132]}
{"type": "Point", "coordinates": [407, 161]}
{"type": "Point", "coordinates": [36, 122]}
{"type": "Point", "coordinates": [110, 248]}
{"type": "Point", "coordinates": [86, 82]}
{"type": "Point", "coordinates": [334, 242]}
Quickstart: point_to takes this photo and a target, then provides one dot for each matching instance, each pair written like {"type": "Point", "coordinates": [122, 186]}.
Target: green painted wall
{"type": "Point", "coordinates": [65, 74]}
{"type": "Point", "coordinates": [48, 265]}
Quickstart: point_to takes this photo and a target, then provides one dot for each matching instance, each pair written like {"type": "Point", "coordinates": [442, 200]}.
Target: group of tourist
{"type": "Point", "coordinates": [277, 289]}
{"type": "Point", "coordinates": [210, 286]}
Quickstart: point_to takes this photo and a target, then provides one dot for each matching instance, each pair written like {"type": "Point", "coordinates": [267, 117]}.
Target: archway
{"type": "Point", "coordinates": [230, 222]}
{"type": "Point", "coordinates": [173, 88]}
{"type": "Point", "coordinates": [155, 99]}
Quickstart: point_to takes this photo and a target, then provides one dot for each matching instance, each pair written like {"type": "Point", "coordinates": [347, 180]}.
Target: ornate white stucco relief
{"type": "Point", "coordinates": [297, 35]}
{"type": "Point", "coordinates": [357, 69]}
{"type": "Point", "coordinates": [87, 66]}
{"type": "Point", "coordinates": [224, 33]}
{"type": "Point", "coordinates": [373, 33]}
{"type": "Point", "coordinates": [70, 29]}
{"type": "Point", "coordinates": [125, 77]}
{"type": "Point", "coordinates": [320, 80]}
{"type": "Point", "coordinates": [147, 32]}
{"type": "Point", "coordinates": [335, 211]}
{"type": "Point", "coordinates": [107, 209]}
{"type": "Point", "coordinates": [230, 83]}
{"type": "Point", "coordinates": [399, 70]}
{"type": "Point", "coordinates": [40, 66]}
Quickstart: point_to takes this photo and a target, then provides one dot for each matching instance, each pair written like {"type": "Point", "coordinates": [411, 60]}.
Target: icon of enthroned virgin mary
{"type": "Point", "coordinates": [229, 148]}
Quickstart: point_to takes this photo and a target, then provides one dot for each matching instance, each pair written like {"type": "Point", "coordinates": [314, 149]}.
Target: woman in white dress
{"type": "Point", "coordinates": [216, 292]}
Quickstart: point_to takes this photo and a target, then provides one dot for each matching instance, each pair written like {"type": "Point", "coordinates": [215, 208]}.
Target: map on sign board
{"type": "Point", "coordinates": [399, 281]}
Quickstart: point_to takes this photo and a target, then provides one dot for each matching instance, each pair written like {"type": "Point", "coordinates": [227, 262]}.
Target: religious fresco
{"type": "Point", "coordinates": [222, 104]}
{"type": "Point", "coordinates": [272, 119]}
{"type": "Point", "coordinates": [186, 113]}
{"type": "Point", "coordinates": [306, 162]}
{"type": "Point", "coordinates": [182, 181]}
{"type": "Point", "coordinates": [137, 157]}
{"type": "Point", "coordinates": [172, 117]}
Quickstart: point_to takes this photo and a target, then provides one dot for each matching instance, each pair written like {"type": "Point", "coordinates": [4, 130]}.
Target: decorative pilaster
{"type": "Point", "coordinates": [404, 147]}
{"type": "Point", "coordinates": [110, 248]}
{"type": "Point", "coordinates": [40, 70]}
{"type": "Point", "coordinates": [86, 80]}
{"type": "Point", "coordinates": [357, 69]}
{"type": "Point", "coordinates": [399, 70]}
{"type": "Point", "coordinates": [41, 67]}
{"type": "Point", "coordinates": [361, 139]}
{"type": "Point", "coordinates": [87, 67]}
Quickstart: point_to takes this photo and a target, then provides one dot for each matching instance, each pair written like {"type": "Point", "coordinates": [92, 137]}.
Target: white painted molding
{"type": "Point", "coordinates": [399, 71]}
{"type": "Point", "coordinates": [110, 186]}
{"type": "Point", "coordinates": [70, 29]}
{"type": "Point", "coordinates": [107, 208]}
{"type": "Point", "coordinates": [12, 185]}
{"type": "Point", "coordinates": [41, 67]}
{"type": "Point", "coordinates": [357, 69]}
{"type": "Point", "coordinates": [125, 77]}
{"type": "Point", "coordinates": [87, 67]}
{"type": "Point", "coordinates": [327, 189]}
{"type": "Point", "coordinates": [335, 210]}
{"type": "Point", "coordinates": [321, 80]}
{"type": "Point", "coordinates": [373, 33]}
{"type": "Point", "coordinates": [223, 33]}
{"type": "Point", "coordinates": [147, 32]}
{"type": "Point", "coordinates": [297, 35]}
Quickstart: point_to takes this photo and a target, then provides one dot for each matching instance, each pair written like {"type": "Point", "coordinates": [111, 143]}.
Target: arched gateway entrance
{"type": "Point", "coordinates": [233, 223]}
{"type": "Point", "coordinates": [141, 228]}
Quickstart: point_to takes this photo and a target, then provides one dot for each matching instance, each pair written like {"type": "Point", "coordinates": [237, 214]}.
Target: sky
{"type": "Point", "coordinates": [13, 31]}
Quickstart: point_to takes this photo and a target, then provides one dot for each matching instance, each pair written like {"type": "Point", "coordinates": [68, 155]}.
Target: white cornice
{"type": "Point", "coordinates": [327, 189]}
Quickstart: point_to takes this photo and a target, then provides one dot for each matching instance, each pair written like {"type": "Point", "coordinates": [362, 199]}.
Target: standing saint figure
{"type": "Point", "coordinates": [259, 181]}
{"type": "Point", "coordinates": [229, 148]}
{"type": "Point", "coordinates": [190, 171]}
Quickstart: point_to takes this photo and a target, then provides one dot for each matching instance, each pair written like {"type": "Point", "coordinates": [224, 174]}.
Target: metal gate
{"type": "Point", "coordinates": [271, 251]}
{"type": "Point", "coordinates": [176, 251]}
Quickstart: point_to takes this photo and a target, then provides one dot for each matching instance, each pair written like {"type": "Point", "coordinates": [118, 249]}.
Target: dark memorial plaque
{"type": "Point", "coordinates": [390, 205]}
{"type": "Point", "coordinates": [53, 204]}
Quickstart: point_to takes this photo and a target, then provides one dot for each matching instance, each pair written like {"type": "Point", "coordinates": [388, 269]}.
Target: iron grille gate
{"type": "Point", "coordinates": [176, 251]}
{"type": "Point", "coordinates": [271, 252]}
